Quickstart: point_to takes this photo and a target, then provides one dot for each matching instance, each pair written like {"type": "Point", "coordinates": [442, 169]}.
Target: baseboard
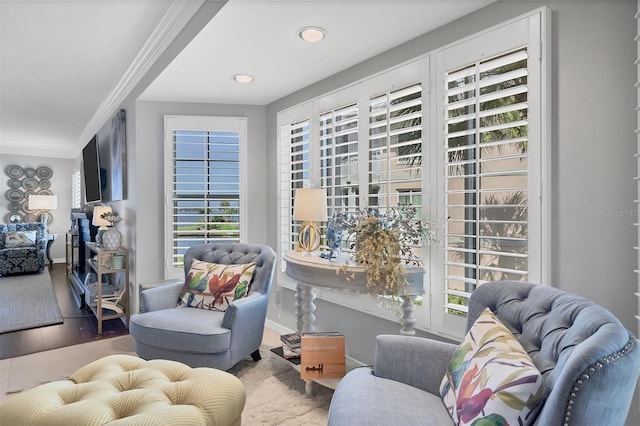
{"type": "Point", "coordinates": [278, 328]}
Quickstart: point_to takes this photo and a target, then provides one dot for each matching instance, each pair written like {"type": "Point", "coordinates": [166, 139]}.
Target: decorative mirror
{"type": "Point", "coordinates": [22, 183]}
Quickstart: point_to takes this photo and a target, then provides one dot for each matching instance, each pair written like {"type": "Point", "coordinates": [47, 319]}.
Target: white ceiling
{"type": "Point", "coordinates": [62, 60]}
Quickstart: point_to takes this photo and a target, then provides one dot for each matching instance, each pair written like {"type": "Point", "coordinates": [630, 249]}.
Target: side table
{"type": "Point", "coordinates": [51, 238]}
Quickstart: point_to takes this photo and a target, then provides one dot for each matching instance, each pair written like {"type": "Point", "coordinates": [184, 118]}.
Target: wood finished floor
{"type": "Point", "coordinates": [79, 326]}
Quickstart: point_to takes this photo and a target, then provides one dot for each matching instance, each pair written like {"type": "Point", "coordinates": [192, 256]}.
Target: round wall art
{"type": "Point", "coordinates": [22, 182]}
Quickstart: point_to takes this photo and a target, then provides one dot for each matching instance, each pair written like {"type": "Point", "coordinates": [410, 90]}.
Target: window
{"type": "Point", "coordinates": [395, 148]}
{"type": "Point", "coordinates": [294, 174]}
{"type": "Point", "coordinates": [339, 166]}
{"type": "Point", "coordinates": [490, 127]}
{"type": "Point", "coordinates": [76, 190]}
{"type": "Point", "coordinates": [204, 186]}
{"type": "Point", "coordinates": [486, 176]}
{"type": "Point", "coordinates": [461, 135]}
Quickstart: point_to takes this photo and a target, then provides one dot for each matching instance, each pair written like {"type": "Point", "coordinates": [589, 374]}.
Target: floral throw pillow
{"type": "Point", "coordinates": [491, 379]}
{"type": "Point", "coordinates": [213, 286]}
{"type": "Point", "coordinates": [20, 239]}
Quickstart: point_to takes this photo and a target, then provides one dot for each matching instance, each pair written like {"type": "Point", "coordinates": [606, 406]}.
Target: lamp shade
{"type": "Point", "coordinates": [310, 204]}
{"type": "Point", "coordinates": [43, 202]}
{"type": "Point", "coordinates": [97, 220]}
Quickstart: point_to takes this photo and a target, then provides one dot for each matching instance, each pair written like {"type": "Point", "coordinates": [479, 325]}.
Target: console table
{"type": "Point", "coordinates": [311, 271]}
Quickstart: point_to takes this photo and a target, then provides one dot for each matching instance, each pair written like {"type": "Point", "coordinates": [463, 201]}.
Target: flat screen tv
{"type": "Point", "coordinates": [91, 168]}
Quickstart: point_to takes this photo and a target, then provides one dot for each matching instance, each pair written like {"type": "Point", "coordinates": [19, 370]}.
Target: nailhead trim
{"type": "Point", "coordinates": [589, 371]}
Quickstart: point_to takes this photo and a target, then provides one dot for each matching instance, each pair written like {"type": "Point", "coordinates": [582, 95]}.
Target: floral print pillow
{"type": "Point", "coordinates": [214, 286]}
{"type": "Point", "coordinates": [491, 379]}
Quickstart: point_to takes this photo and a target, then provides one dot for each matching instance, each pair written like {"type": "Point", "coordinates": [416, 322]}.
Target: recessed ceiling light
{"type": "Point", "coordinates": [312, 34]}
{"type": "Point", "coordinates": [242, 78]}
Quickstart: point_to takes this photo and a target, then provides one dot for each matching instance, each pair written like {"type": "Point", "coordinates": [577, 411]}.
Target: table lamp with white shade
{"type": "Point", "coordinates": [309, 206]}
{"type": "Point", "coordinates": [44, 203]}
{"type": "Point", "coordinates": [100, 222]}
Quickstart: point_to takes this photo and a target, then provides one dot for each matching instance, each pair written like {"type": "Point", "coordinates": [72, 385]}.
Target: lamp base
{"type": "Point", "coordinates": [309, 237]}
{"type": "Point", "coordinates": [99, 235]}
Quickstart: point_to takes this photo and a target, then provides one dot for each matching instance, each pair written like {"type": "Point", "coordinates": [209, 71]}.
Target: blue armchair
{"type": "Point", "coordinates": [26, 257]}
{"type": "Point", "coordinates": [201, 337]}
{"type": "Point", "coordinates": [588, 360]}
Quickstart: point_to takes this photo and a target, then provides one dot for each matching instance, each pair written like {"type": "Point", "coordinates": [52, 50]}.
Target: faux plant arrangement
{"type": "Point", "coordinates": [111, 217]}
{"type": "Point", "coordinates": [383, 243]}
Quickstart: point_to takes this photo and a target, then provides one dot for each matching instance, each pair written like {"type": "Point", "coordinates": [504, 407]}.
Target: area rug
{"type": "Point", "coordinates": [275, 392]}
{"type": "Point", "coordinates": [28, 301]}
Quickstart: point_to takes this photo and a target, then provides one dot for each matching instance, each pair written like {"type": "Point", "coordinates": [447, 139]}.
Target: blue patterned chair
{"type": "Point", "coordinates": [24, 258]}
{"type": "Point", "coordinates": [201, 337]}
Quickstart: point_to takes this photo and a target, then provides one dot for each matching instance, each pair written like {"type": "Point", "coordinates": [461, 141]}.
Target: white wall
{"type": "Point", "coordinates": [148, 184]}
{"type": "Point", "coordinates": [138, 234]}
{"type": "Point", "coordinates": [60, 186]}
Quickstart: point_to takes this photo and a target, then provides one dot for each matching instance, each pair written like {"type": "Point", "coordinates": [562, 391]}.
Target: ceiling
{"type": "Point", "coordinates": [63, 61]}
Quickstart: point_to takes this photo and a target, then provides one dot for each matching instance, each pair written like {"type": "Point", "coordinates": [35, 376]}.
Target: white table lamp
{"type": "Point", "coordinates": [101, 223]}
{"type": "Point", "coordinates": [44, 203]}
{"type": "Point", "coordinates": [309, 206]}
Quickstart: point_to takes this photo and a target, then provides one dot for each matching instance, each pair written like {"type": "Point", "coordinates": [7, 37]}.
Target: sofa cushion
{"type": "Point", "coordinates": [17, 239]}
{"type": "Point", "coordinates": [491, 377]}
{"type": "Point", "coordinates": [213, 286]}
{"type": "Point", "coordinates": [183, 329]}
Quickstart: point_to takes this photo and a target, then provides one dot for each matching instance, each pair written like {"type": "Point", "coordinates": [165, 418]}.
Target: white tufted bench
{"type": "Point", "coordinates": [126, 390]}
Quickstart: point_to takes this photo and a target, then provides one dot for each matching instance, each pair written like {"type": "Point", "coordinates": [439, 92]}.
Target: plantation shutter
{"type": "Point", "coordinates": [339, 171]}
{"type": "Point", "coordinates": [293, 174]}
{"type": "Point", "coordinates": [395, 148]}
{"type": "Point", "coordinates": [486, 175]}
{"type": "Point", "coordinates": [76, 190]}
{"type": "Point", "coordinates": [203, 186]}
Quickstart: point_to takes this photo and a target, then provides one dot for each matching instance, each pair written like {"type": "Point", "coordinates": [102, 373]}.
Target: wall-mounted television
{"type": "Point", "coordinates": [91, 168]}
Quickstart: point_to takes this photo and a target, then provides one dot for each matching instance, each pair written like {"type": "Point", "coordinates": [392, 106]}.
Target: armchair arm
{"type": "Point", "coordinates": [415, 361]}
{"type": "Point", "coordinates": [246, 317]}
{"type": "Point", "coordinates": [161, 297]}
{"type": "Point", "coordinates": [248, 310]}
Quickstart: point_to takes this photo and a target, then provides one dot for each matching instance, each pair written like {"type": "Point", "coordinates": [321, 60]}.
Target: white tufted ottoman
{"type": "Point", "coordinates": [126, 390]}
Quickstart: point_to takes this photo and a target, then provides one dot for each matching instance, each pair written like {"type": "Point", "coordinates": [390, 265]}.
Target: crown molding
{"type": "Point", "coordinates": [173, 21]}
{"type": "Point", "coordinates": [39, 151]}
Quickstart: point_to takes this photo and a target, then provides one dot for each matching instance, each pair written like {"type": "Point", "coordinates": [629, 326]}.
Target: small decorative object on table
{"type": "Point", "coordinates": [112, 238]}
{"type": "Point", "coordinates": [322, 356]}
{"type": "Point", "coordinates": [383, 242]}
{"type": "Point", "coordinates": [334, 235]}
{"type": "Point", "coordinates": [117, 261]}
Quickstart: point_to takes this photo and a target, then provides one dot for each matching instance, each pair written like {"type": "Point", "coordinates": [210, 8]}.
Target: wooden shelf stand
{"type": "Point", "coordinates": [116, 304]}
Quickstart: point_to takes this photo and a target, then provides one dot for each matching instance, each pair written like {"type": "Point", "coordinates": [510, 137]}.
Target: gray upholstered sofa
{"type": "Point", "coordinates": [200, 337]}
{"type": "Point", "coordinates": [29, 255]}
{"type": "Point", "coordinates": [588, 360]}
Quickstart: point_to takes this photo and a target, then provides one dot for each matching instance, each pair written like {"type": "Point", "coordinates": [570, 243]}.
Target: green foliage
{"type": "Point", "coordinates": [383, 243]}
{"type": "Point", "coordinates": [456, 300]}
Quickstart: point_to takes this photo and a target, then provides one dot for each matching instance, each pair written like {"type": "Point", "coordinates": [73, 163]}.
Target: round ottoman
{"type": "Point", "coordinates": [127, 390]}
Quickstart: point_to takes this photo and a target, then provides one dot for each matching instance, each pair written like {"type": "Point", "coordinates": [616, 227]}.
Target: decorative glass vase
{"type": "Point", "coordinates": [111, 239]}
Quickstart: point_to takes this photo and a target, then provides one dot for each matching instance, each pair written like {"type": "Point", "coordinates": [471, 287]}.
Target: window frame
{"type": "Point", "coordinates": [532, 30]}
{"type": "Point", "coordinates": [535, 25]}
{"type": "Point", "coordinates": [200, 123]}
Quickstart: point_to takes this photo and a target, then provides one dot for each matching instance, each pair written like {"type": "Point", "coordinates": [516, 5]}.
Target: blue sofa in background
{"type": "Point", "coordinates": [588, 360]}
{"type": "Point", "coordinates": [19, 254]}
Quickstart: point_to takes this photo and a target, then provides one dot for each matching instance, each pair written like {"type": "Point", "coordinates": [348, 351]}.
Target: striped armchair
{"type": "Point", "coordinates": [27, 255]}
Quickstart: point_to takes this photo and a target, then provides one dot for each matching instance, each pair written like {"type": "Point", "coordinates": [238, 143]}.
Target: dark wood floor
{"type": "Point", "coordinates": [80, 325]}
